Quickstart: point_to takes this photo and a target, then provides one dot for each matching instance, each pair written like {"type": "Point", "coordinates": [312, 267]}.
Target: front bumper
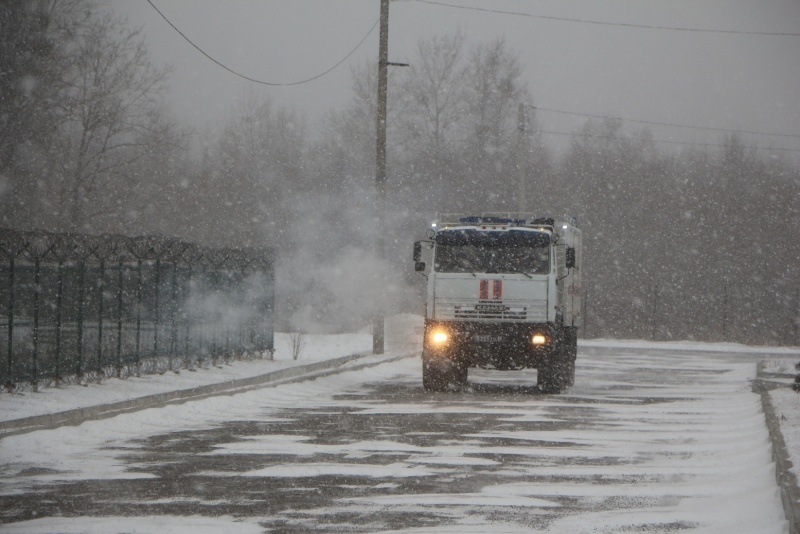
{"type": "Point", "coordinates": [494, 345]}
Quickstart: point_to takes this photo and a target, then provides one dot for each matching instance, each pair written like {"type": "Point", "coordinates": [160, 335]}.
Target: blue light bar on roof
{"type": "Point", "coordinates": [491, 220]}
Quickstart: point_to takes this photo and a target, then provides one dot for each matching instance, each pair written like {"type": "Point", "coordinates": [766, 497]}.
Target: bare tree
{"type": "Point", "coordinates": [86, 119]}
{"type": "Point", "coordinates": [494, 90]}
{"type": "Point", "coordinates": [255, 168]}
{"type": "Point", "coordinates": [28, 58]}
{"type": "Point", "coordinates": [113, 119]}
{"type": "Point", "coordinates": [431, 95]}
{"type": "Point", "coordinates": [346, 153]}
{"type": "Point", "coordinates": [32, 72]}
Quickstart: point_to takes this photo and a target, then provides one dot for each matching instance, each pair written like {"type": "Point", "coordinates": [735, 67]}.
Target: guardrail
{"type": "Point", "coordinates": [83, 307]}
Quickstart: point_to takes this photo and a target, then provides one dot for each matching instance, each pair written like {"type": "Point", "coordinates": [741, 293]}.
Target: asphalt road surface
{"type": "Point", "coordinates": [646, 441]}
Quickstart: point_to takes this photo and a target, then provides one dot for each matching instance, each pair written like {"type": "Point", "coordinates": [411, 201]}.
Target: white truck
{"type": "Point", "coordinates": [503, 292]}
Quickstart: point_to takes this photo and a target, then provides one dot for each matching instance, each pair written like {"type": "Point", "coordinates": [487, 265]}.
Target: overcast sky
{"type": "Point", "coordinates": [736, 81]}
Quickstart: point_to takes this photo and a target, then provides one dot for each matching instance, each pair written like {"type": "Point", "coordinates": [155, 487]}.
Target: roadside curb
{"type": "Point", "coordinates": [274, 378]}
{"type": "Point", "coordinates": [790, 493]}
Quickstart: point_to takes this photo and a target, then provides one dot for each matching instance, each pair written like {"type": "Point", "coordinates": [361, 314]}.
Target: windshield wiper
{"type": "Point", "coordinates": [467, 263]}
{"type": "Point", "coordinates": [508, 270]}
{"type": "Point", "coordinates": [521, 272]}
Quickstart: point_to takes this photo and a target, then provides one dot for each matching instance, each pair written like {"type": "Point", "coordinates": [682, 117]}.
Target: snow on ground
{"type": "Point", "coordinates": [781, 369]}
{"type": "Point", "coordinates": [777, 362]}
{"type": "Point", "coordinates": [787, 409]}
{"type": "Point", "coordinates": [771, 353]}
{"type": "Point", "coordinates": [317, 348]}
{"type": "Point", "coordinates": [137, 525]}
{"type": "Point", "coordinates": [55, 399]}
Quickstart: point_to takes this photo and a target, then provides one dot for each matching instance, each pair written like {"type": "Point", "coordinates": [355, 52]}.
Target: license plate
{"type": "Point", "coordinates": [490, 308]}
{"type": "Point", "coordinates": [487, 338]}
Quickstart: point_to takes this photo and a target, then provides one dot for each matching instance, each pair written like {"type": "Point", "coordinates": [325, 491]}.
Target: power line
{"type": "Point", "coordinates": [694, 127]}
{"type": "Point", "coordinates": [601, 23]}
{"type": "Point", "coordinates": [666, 141]}
{"type": "Point", "coordinates": [248, 78]}
{"type": "Point", "coordinates": [552, 110]}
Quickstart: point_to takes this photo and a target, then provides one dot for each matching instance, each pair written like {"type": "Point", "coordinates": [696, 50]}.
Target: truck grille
{"type": "Point", "coordinates": [529, 311]}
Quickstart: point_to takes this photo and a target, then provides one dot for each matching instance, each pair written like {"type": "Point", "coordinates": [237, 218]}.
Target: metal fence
{"type": "Point", "coordinates": [82, 307]}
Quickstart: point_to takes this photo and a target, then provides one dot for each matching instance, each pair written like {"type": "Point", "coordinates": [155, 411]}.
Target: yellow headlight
{"type": "Point", "coordinates": [439, 337]}
{"type": "Point", "coordinates": [538, 339]}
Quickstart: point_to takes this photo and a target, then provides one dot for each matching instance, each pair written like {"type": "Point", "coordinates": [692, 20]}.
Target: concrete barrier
{"type": "Point", "coordinates": [289, 374]}
{"type": "Point", "coordinates": [787, 482]}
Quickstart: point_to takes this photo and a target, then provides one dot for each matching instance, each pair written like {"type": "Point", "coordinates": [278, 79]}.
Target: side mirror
{"type": "Point", "coordinates": [419, 266]}
{"type": "Point", "coordinates": [417, 251]}
{"type": "Point", "coordinates": [570, 258]}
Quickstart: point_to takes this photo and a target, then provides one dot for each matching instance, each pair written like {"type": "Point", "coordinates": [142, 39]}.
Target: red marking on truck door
{"type": "Point", "coordinates": [497, 290]}
{"type": "Point", "coordinates": [484, 290]}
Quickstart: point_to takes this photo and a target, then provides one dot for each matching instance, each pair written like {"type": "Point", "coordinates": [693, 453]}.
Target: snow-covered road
{"type": "Point", "coordinates": [646, 441]}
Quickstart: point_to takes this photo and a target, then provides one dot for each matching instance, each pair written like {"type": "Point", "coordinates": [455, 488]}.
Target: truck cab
{"type": "Point", "coordinates": [504, 293]}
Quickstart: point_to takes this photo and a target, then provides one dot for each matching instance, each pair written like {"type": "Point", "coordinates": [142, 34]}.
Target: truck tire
{"type": "Point", "coordinates": [552, 377]}
{"type": "Point", "coordinates": [440, 375]}
{"type": "Point", "coordinates": [435, 377]}
{"type": "Point", "coordinates": [558, 372]}
{"type": "Point", "coordinates": [569, 373]}
{"type": "Point", "coordinates": [461, 372]}
{"type": "Point", "coordinates": [572, 355]}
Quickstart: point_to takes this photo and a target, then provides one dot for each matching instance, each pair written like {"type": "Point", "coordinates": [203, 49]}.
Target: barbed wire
{"type": "Point", "coordinates": [65, 247]}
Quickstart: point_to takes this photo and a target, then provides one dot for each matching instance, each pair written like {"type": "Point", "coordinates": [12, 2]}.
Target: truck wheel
{"type": "Point", "coordinates": [570, 373]}
{"type": "Point", "coordinates": [554, 374]}
{"type": "Point", "coordinates": [438, 375]}
{"type": "Point", "coordinates": [572, 355]}
{"type": "Point", "coordinates": [432, 379]}
{"type": "Point", "coordinates": [460, 373]}
{"type": "Point", "coordinates": [551, 378]}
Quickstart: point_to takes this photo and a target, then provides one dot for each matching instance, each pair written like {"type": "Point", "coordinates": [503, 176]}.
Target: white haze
{"type": "Point", "coordinates": [330, 279]}
{"type": "Point", "coordinates": [230, 309]}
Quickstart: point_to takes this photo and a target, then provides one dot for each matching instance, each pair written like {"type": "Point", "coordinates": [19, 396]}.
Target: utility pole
{"type": "Point", "coordinates": [522, 159]}
{"type": "Point", "coordinates": [522, 156]}
{"type": "Point", "coordinates": [797, 316]}
{"type": "Point", "coordinates": [725, 313]}
{"type": "Point", "coordinates": [655, 310]}
{"type": "Point", "coordinates": [380, 171]}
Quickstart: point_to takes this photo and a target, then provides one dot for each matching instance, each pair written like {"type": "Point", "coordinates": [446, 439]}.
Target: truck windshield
{"type": "Point", "coordinates": [513, 251]}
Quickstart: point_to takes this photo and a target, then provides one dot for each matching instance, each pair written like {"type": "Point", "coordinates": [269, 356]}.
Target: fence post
{"type": "Point", "coordinates": [246, 333]}
{"type": "Point", "coordinates": [100, 299]}
{"type": "Point", "coordinates": [81, 295]}
{"type": "Point", "coordinates": [211, 345]}
{"type": "Point", "coordinates": [59, 304]}
{"type": "Point", "coordinates": [156, 305]}
{"type": "Point", "coordinates": [202, 342]}
{"type": "Point", "coordinates": [186, 357]}
{"type": "Point", "coordinates": [138, 318]}
{"type": "Point", "coordinates": [37, 277]}
{"type": "Point", "coordinates": [120, 286]}
{"type": "Point", "coordinates": [10, 385]}
{"type": "Point", "coordinates": [174, 307]}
